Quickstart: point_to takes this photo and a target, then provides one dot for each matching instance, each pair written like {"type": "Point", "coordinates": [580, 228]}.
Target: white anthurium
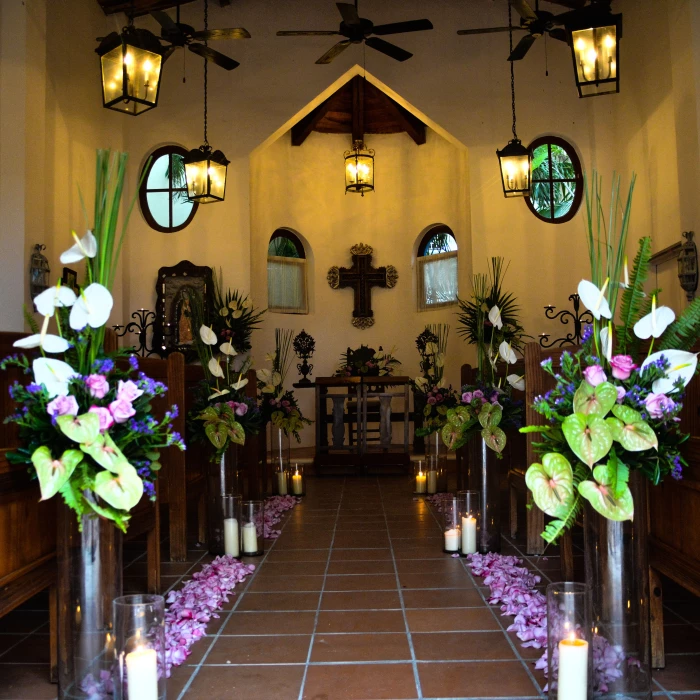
{"type": "Point", "coordinates": [215, 368]}
{"type": "Point", "coordinates": [92, 307]}
{"type": "Point", "coordinates": [264, 375]}
{"type": "Point", "coordinates": [276, 379]}
{"type": "Point", "coordinates": [218, 393]}
{"type": "Point", "coordinates": [382, 363]}
{"type": "Point", "coordinates": [268, 389]}
{"type": "Point", "coordinates": [228, 349]}
{"type": "Point", "coordinates": [442, 384]}
{"type": "Point", "coordinates": [85, 247]}
{"type": "Point", "coordinates": [507, 353]}
{"type": "Point", "coordinates": [46, 341]}
{"type": "Point", "coordinates": [682, 364]}
{"type": "Point", "coordinates": [52, 298]}
{"type": "Point", "coordinates": [495, 317]}
{"type": "Point", "coordinates": [606, 342]}
{"type": "Point", "coordinates": [271, 356]}
{"type": "Point", "coordinates": [54, 375]}
{"type": "Point", "coordinates": [421, 383]}
{"type": "Point", "coordinates": [655, 323]}
{"type": "Point", "coordinates": [516, 381]}
{"type": "Point", "coordinates": [223, 311]}
{"type": "Point", "coordinates": [207, 335]}
{"type": "Point", "coordinates": [237, 313]}
{"type": "Point", "coordinates": [439, 360]}
{"type": "Point", "coordinates": [247, 303]}
{"type": "Point", "coordinates": [239, 384]}
{"type": "Point", "coordinates": [594, 299]}
{"type": "Point", "coordinates": [431, 348]}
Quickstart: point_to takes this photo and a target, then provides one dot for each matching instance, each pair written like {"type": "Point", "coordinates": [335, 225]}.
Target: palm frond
{"type": "Point", "coordinates": [684, 333]}
{"type": "Point", "coordinates": [633, 297]}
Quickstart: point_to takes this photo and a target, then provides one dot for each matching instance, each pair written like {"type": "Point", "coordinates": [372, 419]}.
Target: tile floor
{"type": "Point", "coordinates": [354, 601]}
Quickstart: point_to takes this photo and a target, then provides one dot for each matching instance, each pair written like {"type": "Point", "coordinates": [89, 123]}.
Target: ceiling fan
{"type": "Point", "coordinates": [357, 29]}
{"type": "Point", "coordinates": [536, 22]}
{"type": "Point", "coordinates": [182, 35]}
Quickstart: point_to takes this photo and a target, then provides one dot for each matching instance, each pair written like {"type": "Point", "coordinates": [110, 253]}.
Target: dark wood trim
{"type": "Point", "coordinates": [413, 126]}
{"type": "Point", "coordinates": [358, 108]}
{"type": "Point", "coordinates": [141, 7]}
{"type": "Point", "coordinates": [428, 235]}
{"type": "Point", "coordinates": [666, 255]}
{"type": "Point", "coordinates": [302, 129]}
{"type": "Point", "coordinates": [291, 236]}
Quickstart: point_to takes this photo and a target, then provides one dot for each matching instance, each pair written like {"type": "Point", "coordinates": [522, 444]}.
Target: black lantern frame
{"type": "Point", "coordinates": [205, 172]}
{"type": "Point", "coordinates": [135, 60]}
{"type": "Point", "coordinates": [515, 163]}
{"type": "Point", "coordinates": [359, 169]}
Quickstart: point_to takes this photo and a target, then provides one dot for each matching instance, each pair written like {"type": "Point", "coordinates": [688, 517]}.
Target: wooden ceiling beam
{"type": "Point", "coordinates": [141, 7]}
{"type": "Point", "coordinates": [413, 126]}
{"type": "Point", "coordinates": [358, 108]}
{"type": "Point", "coordinates": [302, 129]}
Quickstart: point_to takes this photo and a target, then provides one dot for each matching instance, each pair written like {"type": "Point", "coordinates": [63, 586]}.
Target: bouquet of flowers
{"type": "Point", "coordinates": [277, 405]}
{"type": "Point", "coordinates": [490, 322]}
{"type": "Point", "coordinates": [367, 362]}
{"type": "Point", "coordinates": [615, 407]}
{"type": "Point", "coordinates": [85, 424]}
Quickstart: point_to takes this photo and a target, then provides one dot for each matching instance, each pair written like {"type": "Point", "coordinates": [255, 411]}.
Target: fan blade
{"type": "Point", "coordinates": [488, 30]}
{"type": "Point", "coordinates": [414, 25]}
{"type": "Point", "coordinates": [349, 13]}
{"type": "Point", "coordinates": [389, 49]}
{"type": "Point", "coordinates": [164, 20]}
{"type": "Point", "coordinates": [310, 33]}
{"type": "Point", "coordinates": [524, 10]}
{"type": "Point", "coordinates": [522, 48]}
{"type": "Point", "coordinates": [559, 34]}
{"type": "Point", "coordinates": [214, 56]}
{"type": "Point", "coordinates": [235, 33]}
{"type": "Point", "coordinates": [168, 53]}
{"type": "Point", "coordinates": [334, 51]}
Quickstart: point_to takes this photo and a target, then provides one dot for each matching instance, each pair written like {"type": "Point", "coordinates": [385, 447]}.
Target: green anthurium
{"type": "Point", "coordinates": [83, 429]}
{"type": "Point", "coordinates": [122, 490]}
{"type": "Point", "coordinates": [105, 452]}
{"type": "Point", "coordinates": [54, 473]}
{"type": "Point", "coordinates": [450, 435]}
{"type": "Point", "coordinates": [217, 434]}
{"type": "Point", "coordinates": [588, 436]}
{"type": "Point", "coordinates": [633, 433]}
{"type": "Point", "coordinates": [601, 495]}
{"type": "Point", "coordinates": [552, 484]}
{"type": "Point", "coordinates": [236, 433]}
{"type": "Point", "coordinates": [490, 415]}
{"type": "Point", "coordinates": [495, 438]}
{"type": "Point", "coordinates": [458, 416]}
{"type": "Point", "coordinates": [595, 400]}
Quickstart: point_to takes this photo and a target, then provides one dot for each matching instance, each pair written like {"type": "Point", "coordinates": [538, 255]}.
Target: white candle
{"type": "Point", "coordinates": [142, 674]}
{"type": "Point", "coordinates": [232, 545]}
{"type": "Point", "coordinates": [573, 669]}
{"type": "Point", "coordinates": [297, 486]}
{"type": "Point", "coordinates": [282, 483]}
{"type": "Point", "coordinates": [452, 540]}
{"type": "Point", "coordinates": [250, 539]}
{"type": "Point", "coordinates": [432, 481]}
{"type": "Point", "coordinates": [420, 482]}
{"type": "Point", "coordinates": [468, 535]}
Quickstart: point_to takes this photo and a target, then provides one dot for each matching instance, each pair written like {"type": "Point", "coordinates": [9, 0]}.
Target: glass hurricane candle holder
{"type": "Point", "coordinates": [282, 481]}
{"type": "Point", "coordinates": [232, 512]}
{"type": "Point", "coordinates": [298, 481]}
{"type": "Point", "coordinates": [469, 502]}
{"type": "Point", "coordinates": [569, 641]}
{"type": "Point", "coordinates": [451, 525]}
{"type": "Point", "coordinates": [252, 528]}
{"type": "Point", "coordinates": [421, 479]}
{"type": "Point", "coordinates": [139, 629]}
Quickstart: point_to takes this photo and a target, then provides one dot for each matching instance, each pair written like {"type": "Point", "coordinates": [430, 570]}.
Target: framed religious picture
{"type": "Point", "coordinates": [70, 279]}
{"type": "Point", "coordinates": [175, 289]}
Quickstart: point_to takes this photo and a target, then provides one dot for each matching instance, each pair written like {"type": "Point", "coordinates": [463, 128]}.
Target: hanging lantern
{"type": "Point", "coordinates": [38, 271]}
{"type": "Point", "coordinates": [205, 172]}
{"type": "Point", "coordinates": [688, 265]}
{"type": "Point", "coordinates": [359, 169]}
{"type": "Point", "coordinates": [595, 49]}
{"type": "Point", "coordinates": [131, 63]}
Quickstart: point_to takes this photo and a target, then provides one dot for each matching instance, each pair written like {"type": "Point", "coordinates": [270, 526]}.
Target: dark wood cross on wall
{"type": "Point", "coordinates": [361, 277]}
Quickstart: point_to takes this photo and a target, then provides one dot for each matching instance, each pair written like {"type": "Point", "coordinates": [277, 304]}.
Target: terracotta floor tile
{"type": "Point", "coordinates": [681, 673]}
{"type": "Point", "coordinates": [178, 679]}
{"type": "Point", "coordinates": [279, 601]}
{"type": "Point", "coordinates": [360, 682]}
{"type": "Point", "coordinates": [245, 623]}
{"type": "Point", "coordinates": [360, 567]}
{"type": "Point", "coordinates": [287, 583]}
{"type": "Point", "coordinates": [369, 582]}
{"type": "Point", "coordinates": [681, 638]}
{"type": "Point", "coordinates": [26, 681]}
{"type": "Point", "coordinates": [254, 682]}
{"type": "Point", "coordinates": [443, 565]}
{"type": "Point", "coordinates": [462, 646]}
{"type": "Point", "coordinates": [303, 555]}
{"type": "Point", "coordinates": [22, 621]}
{"type": "Point", "coordinates": [360, 600]}
{"type": "Point", "coordinates": [417, 552]}
{"type": "Point", "coordinates": [360, 647]}
{"type": "Point", "coordinates": [455, 579]}
{"type": "Point", "coordinates": [447, 598]}
{"type": "Point", "coordinates": [368, 621]}
{"type": "Point", "coordinates": [292, 568]}
{"type": "Point", "coordinates": [280, 649]}
{"type": "Point", "coordinates": [452, 619]}
{"type": "Point", "coordinates": [372, 554]}
{"type": "Point", "coordinates": [33, 649]}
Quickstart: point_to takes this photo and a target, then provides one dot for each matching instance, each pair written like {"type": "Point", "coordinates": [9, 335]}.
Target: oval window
{"type": "Point", "coordinates": [556, 187]}
{"type": "Point", "coordinates": [163, 192]}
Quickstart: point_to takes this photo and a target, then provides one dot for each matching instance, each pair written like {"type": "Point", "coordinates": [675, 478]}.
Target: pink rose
{"type": "Point", "coordinates": [431, 400]}
{"type": "Point", "coordinates": [62, 406]}
{"type": "Point", "coordinates": [622, 366]}
{"type": "Point", "coordinates": [467, 397]}
{"type": "Point", "coordinates": [659, 404]}
{"type": "Point", "coordinates": [478, 394]}
{"type": "Point", "coordinates": [241, 409]}
{"type": "Point", "coordinates": [121, 410]}
{"type": "Point", "coordinates": [594, 375]}
{"type": "Point", "coordinates": [128, 391]}
{"type": "Point", "coordinates": [620, 393]}
{"type": "Point", "coordinates": [97, 385]}
{"type": "Point", "coordinates": [106, 420]}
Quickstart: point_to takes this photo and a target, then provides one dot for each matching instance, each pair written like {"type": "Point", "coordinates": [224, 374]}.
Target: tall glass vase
{"type": "Point", "coordinates": [279, 450]}
{"type": "Point", "coordinates": [222, 481]}
{"type": "Point", "coordinates": [616, 565]}
{"type": "Point", "coordinates": [89, 559]}
{"type": "Point", "coordinates": [484, 477]}
{"type": "Point", "coordinates": [436, 462]}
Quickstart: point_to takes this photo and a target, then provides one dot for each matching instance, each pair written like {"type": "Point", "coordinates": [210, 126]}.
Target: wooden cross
{"type": "Point", "coordinates": [361, 277]}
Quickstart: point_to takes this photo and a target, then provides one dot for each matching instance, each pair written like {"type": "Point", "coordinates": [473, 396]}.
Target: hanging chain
{"type": "Point", "coordinates": [206, 65]}
{"type": "Point", "coordinates": [512, 71]}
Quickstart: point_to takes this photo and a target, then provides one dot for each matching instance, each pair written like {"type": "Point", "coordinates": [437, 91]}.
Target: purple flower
{"type": "Point", "coordinates": [128, 391]}
{"type": "Point", "coordinates": [467, 397]}
{"type": "Point", "coordinates": [622, 366]}
{"type": "Point", "coordinates": [677, 472]}
{"type": "Point", "coordinates": [658, 405]}
{"type": "Point", "coordinates": [97, 385]}
{"type": "Point", "coordinates": [121, 410]}
{"type": "Point", "coordinates": [620, 393]}
{"type": "Point", "coordinates": [587, 333]}
{"type": "Point", "coordinates": [33, 388]}
{"type": "Point", "coordinates": [62, 406]}
{"type": "Point", "coordinates": [174, 412]}
{"type": "Point", "coordinates": [104, 366]}
{"type": "Point", "coordinates": [594, 375]}
{"type": "Point", "coordinates": [133, 362]}
{"type": "Point", "coordinates": [241, 409]}
{"type": "Point", "coordinates": [431, 400]}
{"type": "Point", "coordinates": [478, 394]}
{"type": "Point", "coordinates": [106, 420]}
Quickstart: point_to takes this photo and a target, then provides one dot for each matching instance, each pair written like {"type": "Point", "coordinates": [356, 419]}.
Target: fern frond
{"type": "Point", "coordinates": [29, 320]}
{"type": "Point", "coordinates": [633, 297]}
{"type": "Point", "coordinates": [556, 528]}
{"type": "Point", "coordinates": [685, 331]}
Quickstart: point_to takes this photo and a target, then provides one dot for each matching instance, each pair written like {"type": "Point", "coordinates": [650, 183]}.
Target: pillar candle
{"type": "Point", "coordinates": [432, 481]}
{"type": "Point", "coordinates": [250, 539]}
{"type": "Point", "coordinates": [142, 674]}
{"type": "Point", "coordinates": [420, 482]}
{"type": "Point", "coordinates": [282, 483]}
{"type": "Point", "coordinates": [573, 669]}
{"type": "Point", "coordinates": [232, 544]}
{"type": "Point", "coordinates": [468, 535]}
{"type": "Point", "coordinates": [452, 540]}
{"type": "Point", "coordinates": [297, 486]}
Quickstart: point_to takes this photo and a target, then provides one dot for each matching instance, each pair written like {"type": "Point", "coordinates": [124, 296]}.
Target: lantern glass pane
{"type": "Point", "coordinates": [159, 206]}
{"type": "Point", "coordinates": [359, 172]}
{"type": "Point", "coordinates": [196, 174]}
{"type": "Point", "coordinates": [143, 73]}
{"type": "Point", "coordinates": [217, 179]}
{"type": "Point", "coordinates": [595, 52]}
{"type": "Point", "coordinates": [112, 76]}
{"type": "Point", "coordinates": [515, 171]}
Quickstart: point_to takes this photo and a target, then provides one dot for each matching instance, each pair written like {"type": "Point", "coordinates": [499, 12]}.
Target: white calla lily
{"type": "Point", "coordinates": [507, 353]}
{"type": "Point", "coordinates": [237, 313]}
{"type": "Point", "coordinates": [239, 384]}
{"type": "Point", "coordinates": [227, 349]}
{"type": "Point", "coordinates": [431, 348]}
{"type": "Point", "coordinates": [594, 299]}
{"type": "Point", "coordinates": [268, 389]}
{"type": "Point", "coordinates": [264, 375]}
{"type": "Point", "coordinates": [52, 298]}
{"type": "Point", "coordinates": [85, 247]}
{"type": "Point", "coordinates": [207, 335]}
{"type": "Point", "coordinates": [439, 360]}
{"type": "Point", "coordinates": [54, 375]}
{"type": "Point", "coordinates": [45, 341]}
{"type": "Point", "coordinates": [247, 303]}
{"type": "Point", "coordinates": [92, 307]}
{"type": "Point", "coordinates": [682, 365]}
{"type": "Point", "coordinates": [495, 317]}
{"type": "Point", "coordinates": [655, 323]}
{"type": "Point", "coordinates": [516, 381]}
{"type": "Point", "coordinates": [271, 356]}
{"type": "Point", "coordinates": [421, 383]}
{"type": "Point", "coordinates": [606, 342]}
{"type": "Point", "coordinates": [215, 368]}
{"type": "Point", "coordinates": [276, 379]}
{"type": "Point", "coordinates": [218, 393]}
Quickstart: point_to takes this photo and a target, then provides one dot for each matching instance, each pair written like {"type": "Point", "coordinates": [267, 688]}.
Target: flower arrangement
{"type": "Point", "coordinates": [367, 362]}
{"type": "Point", "coordinates": [85, 424]}
{"type": "Point", "coordinates": [277, 405]}
{"type": "Point", "coordinates": [614, 409]}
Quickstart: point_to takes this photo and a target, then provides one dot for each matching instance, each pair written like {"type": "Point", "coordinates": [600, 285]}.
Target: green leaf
{"type": "Point", "coordinates": [632, 300]}
{"type": "Point", "coordinates": [54, 473]}
{"type": "Point", "coordinates": [105, 452]}
{"type": "Point", "coordinates": [634, 434]}
{"type": "Point", "coordinates": [490, 415]}
{"type": "Point", "coordinates": [601, 495]}
{"type": "Point", "coordinates": [458, 416]}
{"type": "Point", "coordinates": [82, 429]}
{"type": "Point", "coordinates": [556, 528]}
{"type": "Point", "coordinates": [535, 429]}
{"type": "Point", "coordinates": [683, 333]}
{"type": "Point", "coordinates": [217, 434]}
{"type": "Point", "coordinates": [552, 484]}
{"type": "Point", "coordinates": [495, 438]}
{"type": "Point", "coordinates": [594, 401]}
{"type": "Point", "coordinates": [236, 433]}
{"type": "Point", "coordinates": [618, 474]}
{"type": "Point", "coordinates": [155, 466]}
{"type": "Point", "coordinates": [122, 490]}
{"type": "Point", "coordinates": [588, 436]}
{"type": "Point", "coordinates": [451, 435]}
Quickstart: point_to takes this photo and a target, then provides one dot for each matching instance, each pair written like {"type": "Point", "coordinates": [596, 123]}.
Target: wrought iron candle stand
{"type": "Point", "coordinates": [565, 317]}
{"type": "Point", "coordinates": [144, 320]}
{"type": "Point", "coordinates": [304, 346]}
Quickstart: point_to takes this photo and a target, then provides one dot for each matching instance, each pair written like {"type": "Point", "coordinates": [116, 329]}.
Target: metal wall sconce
{"type": "Point", "coordinates": [688, 265]}
{"type": "Point", "coordinates": [38, 271]}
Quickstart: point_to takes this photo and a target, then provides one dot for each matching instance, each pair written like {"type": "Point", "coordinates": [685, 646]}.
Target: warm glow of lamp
{"type": "Point", "coordinates": [359, 169]}
{"type": "Point", "coordinates": [205, 172]}
{"type": "Point", "coordinates": [514, 160]}
{"type": "Point", "coordinates": [131, 63]}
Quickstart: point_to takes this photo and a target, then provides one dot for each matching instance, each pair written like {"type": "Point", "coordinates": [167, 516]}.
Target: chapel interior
{"type": "Point", "coordinates": [350, 239]}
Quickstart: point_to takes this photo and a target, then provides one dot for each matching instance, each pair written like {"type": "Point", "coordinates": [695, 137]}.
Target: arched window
{"type": "Point", "coordinates": [437, 267]}
{"type": "Point", "coordinates": [163, 192]}
{"type": "Point", "coordinates": [286, 273]}
{"type": "Point", "coordinates": [557, 180]}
